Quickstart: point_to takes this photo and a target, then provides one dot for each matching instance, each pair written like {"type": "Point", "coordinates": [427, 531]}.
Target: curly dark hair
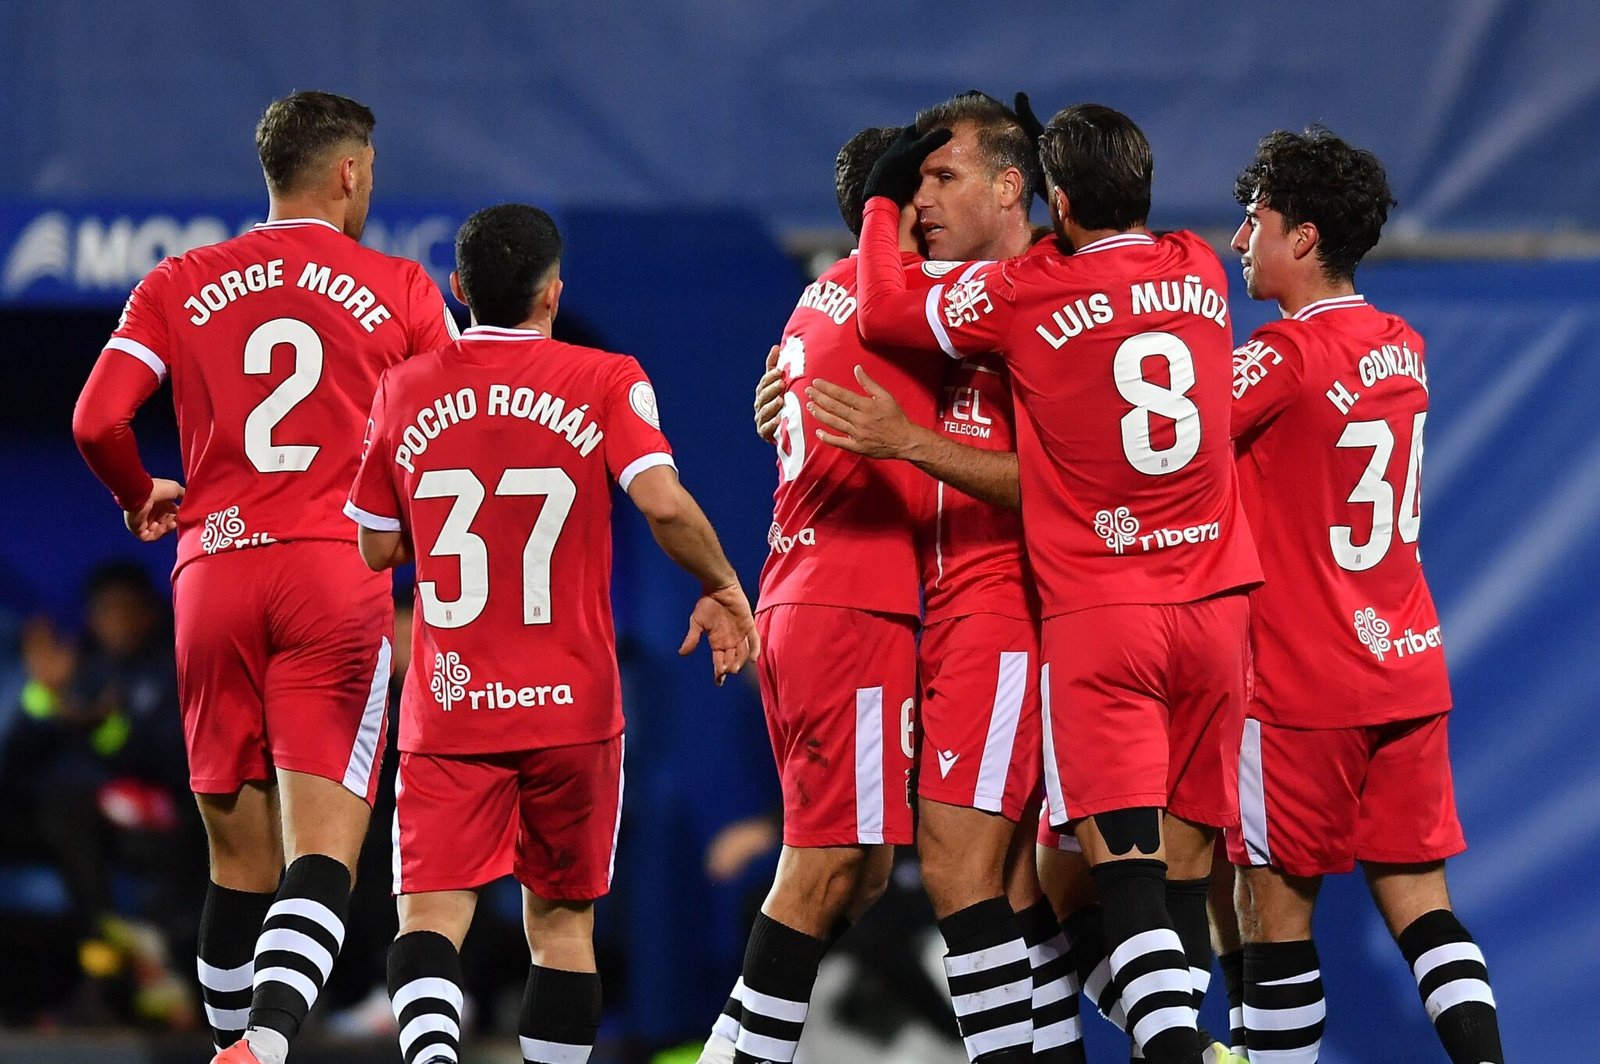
{"type": "Point", "coordinates": [1001, 138]}
{"type": "Point", "coordinates": [503, 255]}
{"type": "Point", "coordinates": [851, 167]}
{"type": "Point", "coordinates": [1102, 161]}
{"type": "Point", "coordinates": [1316, 177]}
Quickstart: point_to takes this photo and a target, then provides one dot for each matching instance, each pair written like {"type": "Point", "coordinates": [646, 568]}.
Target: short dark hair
{"type": "Point", "coordinates": [503, 254]}
{"type": "Point", "coordinates": [1001, 139]}
{"type": "Point", "coordinates": [296, 131]}
{"type": "Point", "coordinates": [1316, 177]}
{"type": "Point", "coordinates": [851, 167]}
{"type": "Point", "coordinates": [1102, 161]}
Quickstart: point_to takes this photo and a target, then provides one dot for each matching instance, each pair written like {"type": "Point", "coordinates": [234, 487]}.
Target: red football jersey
{"type": "Point", "coordinates": [1120, 361]}
{"type": "Point", "coordinates": [843, 526]}
{"type": "Point", "coordinates": [275, 341]}
{"type": "Point", "coordinates": [495, 456]}
{"type": "Point", "coordinates": [1329, 407]}
{"type": "Point", "coordinates": [973, 560]}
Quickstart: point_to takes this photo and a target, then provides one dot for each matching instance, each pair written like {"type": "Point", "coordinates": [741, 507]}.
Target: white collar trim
{"type": "Point", "coordinates": [1119, 240]}
{"type": "Point", "coordinates": [496, 332]}
{"type": "Point", "coordinates": [1311, 310]}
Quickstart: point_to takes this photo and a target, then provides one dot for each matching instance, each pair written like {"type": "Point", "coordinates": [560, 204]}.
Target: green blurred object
{"type": "Point", "coordinates": [110, 735]}
{"type": "Point", "coordinates": [38, 701]}
{"type": "Point", "coordinates": [682, 1055]}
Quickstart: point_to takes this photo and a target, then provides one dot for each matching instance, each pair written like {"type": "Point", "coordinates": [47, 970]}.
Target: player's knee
{"type": "Point", "coordinates": [1127, 831]}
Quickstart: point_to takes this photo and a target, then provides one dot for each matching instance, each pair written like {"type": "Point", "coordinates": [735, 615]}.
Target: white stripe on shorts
{"type": "Point", "coordinates": [869, 765]}
{"type": "Point", "coordinates": [1253, 795]}
{"type": "Point", "coordinates": [358, 773]}
{"type": "Point", "coordinates": [999, 746]}
{"type": "Point", "coordinates": [1055, 801]}
{"type": "Point", "coordinates": [616, 829]}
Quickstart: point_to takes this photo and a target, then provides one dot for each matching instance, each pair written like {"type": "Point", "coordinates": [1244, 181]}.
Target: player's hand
{"type": "Point", "coordinates": [769, 398]}
{"type": "Point", "coordinates": [159, 514]}
{"type": "Point", "coordinates": [723, 614]}
{"type": "Point", "coordinates": [1027, 119]}
{"type": "Point", "coordinates": [872, 424]}
{"type": "Point", "coordinates": [898, 172]}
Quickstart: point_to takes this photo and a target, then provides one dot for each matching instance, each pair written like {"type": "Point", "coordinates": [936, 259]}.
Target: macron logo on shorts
{"type": "Point", "coordinates": [947, 761]}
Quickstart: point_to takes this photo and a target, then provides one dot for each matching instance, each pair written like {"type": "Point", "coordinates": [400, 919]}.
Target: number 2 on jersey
{"type": "Point", "coordinates": [1374, 491]}
{"type": "Point", "coordinates": [456, 539]}
{"type": "Point", "coordinates": [266, 456]}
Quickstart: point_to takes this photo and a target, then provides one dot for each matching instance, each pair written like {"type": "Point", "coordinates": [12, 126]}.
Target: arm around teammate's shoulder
{"type": "Point", "coordinates": [685, 535]}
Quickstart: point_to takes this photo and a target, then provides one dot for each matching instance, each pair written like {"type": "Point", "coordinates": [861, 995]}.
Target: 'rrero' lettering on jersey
{"type": "Point", "coordinates": [541, 408]}
{"type": "Point", "coordinates": [212, 297]}
{"type": "Point", "coordinates": [1189, 296]}
{"type": "Point", "coordinates": [829, 298]}
{"type": "Point", "coordinates": [346, 291]}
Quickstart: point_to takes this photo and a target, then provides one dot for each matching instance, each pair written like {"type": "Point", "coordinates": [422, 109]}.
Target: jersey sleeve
{"type": "Point", "coordinates": [1267, 376]}
{"type": "Point", "coordinates": [130, 369]}
{"type": "Point", "coordinates": [634, 441]}
{"type": "Point", "coordinates": [431, 324]}
{"type": "Point", "coordinates": [962, 315]}
{"type": "Point", "coordinates": [374, 497]}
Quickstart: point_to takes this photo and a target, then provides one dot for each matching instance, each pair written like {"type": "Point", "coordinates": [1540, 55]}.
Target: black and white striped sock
{"type": "Point", "coordinates": [230, 923]}
{"type": "Point", "coordinates": [1453, 979]}
{"type": "Point", "coordinates": [727, 1025]}
{"type": "Point", "coordinates": [425, 992]}
{"type": "Point", "coordinates": [1148, 963]}
{"type": "Point", "coordinates": [1085, 933]}
{"type": "Point", "coordinates": [1186, 903]}
{"type": "Point", "coordinates": [780, 968]}
{"type": "Point", "coordinates": [560, 1016]}
{"type": "Point", "coordinates": [1233, 979]}
{"type": "Point", "coordinates": [991, 981]}
{"type": "Point", "coordinates": [299, 940]}
{"type": "Point", "coordinates": [1283, 1005]}
{"type": "Point", "coordinates": [1057, 1025]}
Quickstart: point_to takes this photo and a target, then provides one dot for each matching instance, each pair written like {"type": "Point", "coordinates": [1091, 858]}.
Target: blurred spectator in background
{"type": "Point", "coordinates": [93, 785]}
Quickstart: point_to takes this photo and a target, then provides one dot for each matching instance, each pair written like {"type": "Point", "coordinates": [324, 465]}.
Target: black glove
{"type": "Point", "coordinates": [898, 171]}
{"type": "Point", "coordinates": [1027, 119]}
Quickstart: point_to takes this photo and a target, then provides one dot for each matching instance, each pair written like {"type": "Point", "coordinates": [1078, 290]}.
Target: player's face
{"type": "Point", "coordinates": [355, 219]}
{"type": "Point", "coordinates": [1265, 250]}
{"type": "Point", "coordinates": [958, 202]}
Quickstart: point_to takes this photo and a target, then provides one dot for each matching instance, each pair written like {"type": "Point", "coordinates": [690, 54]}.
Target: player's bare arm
{"type": "Point", "coordinates": [383, 550]}
{"type": "Point", "coordinates": [682, 530]}
{"type": "Point", "coordinates": [872, 424]}
{"type": "Point", "coordinates": [769, 398]}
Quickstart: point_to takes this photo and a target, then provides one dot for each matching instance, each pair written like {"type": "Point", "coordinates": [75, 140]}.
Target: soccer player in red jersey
{"type": "Point", "coordinates": [1345, 756]}
{"type": "Point", "coordinates": [1120, 363]}
{"type": "Point", "coordinates": [490, 462]}
{"type": "Point", "coordinates": [977, 658]}
{"type": "Point", "coordinates": [274, 341]}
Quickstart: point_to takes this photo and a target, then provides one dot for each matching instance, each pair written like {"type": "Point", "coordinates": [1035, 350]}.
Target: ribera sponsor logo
{"type": "Point", "coordinates": [453, 688]}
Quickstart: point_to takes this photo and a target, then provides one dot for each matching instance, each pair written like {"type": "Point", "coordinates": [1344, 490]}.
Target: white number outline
{"type": "Point", "coordinates": [456, 539]}
{"type": "Point", "coordinates": [266, 456]}
{"type": "Point", "coordinates": [1148, 398]}
{"type": "Point", "coordinates": [791, 439]}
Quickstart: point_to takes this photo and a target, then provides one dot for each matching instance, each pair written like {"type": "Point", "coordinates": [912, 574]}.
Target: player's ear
{"type": "Point", "coordinates": [348, 175]}
{"type": "Point", "coordinates": [1306, 239]}
{"type": "Point", "coordinates": [1060, 207]}
{"type": "Point", "coordinates": [455, 288]}
{"type": "Point", "coordinates": [1010, 185]}
{"type": "Point", "coordinates": [552, 295]}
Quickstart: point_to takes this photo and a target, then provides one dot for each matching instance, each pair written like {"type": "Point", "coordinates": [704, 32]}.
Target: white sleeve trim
{"type": "Point", "coordinates": [372, 521]}
{"type": "Point", "coordinates": [936, 325]}
{"type": "Point", "coordinates": [140, 352]}
{"type": "Point", "coordinates": [639, 465]}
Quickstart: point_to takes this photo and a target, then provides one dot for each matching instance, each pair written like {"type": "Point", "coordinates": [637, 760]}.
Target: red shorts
{"type": "Point", "coordinates": [839, 687]}
{"type": "Point", "coordinates": [283, 661]}
{"type": "Point", "coordinates": [1051, 839]}
{"type": "Point", "coordinates": [1144, 705]}
{"type": "Point", "coordinates": [1315, 801]}
{"type": "Point", "coordinates": [980, 713]}
{"type": "Point", "coordinates": [548, 817]}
